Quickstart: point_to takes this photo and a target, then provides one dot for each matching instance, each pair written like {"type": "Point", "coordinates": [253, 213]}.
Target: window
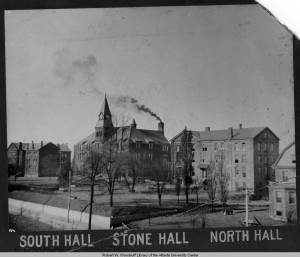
{"type": "Point", "coordinates": [236, 158]}
{"type": "Point", "coordinates": [204, 173]}
{"type": "Point", "coordinates": [265, 147]}
{"type": "Point", "coordinates": [244, 185]}
{"type": "Point", "coordinates": [259, 171]}
{"type": "Point", "coordinates": [222, 145]}
{"type": "Point", "coordinates": [244, 171]}
{"type": "Point", "coordinates": [150, 146]}
{"type": "Point", "coordinates": [266, 159]}
{"type": "Point", "coordinates": [278, 195]}
{"type": "Point", "coordinates": [203, 161]}
{"type": "Point", "coordinates": [293, 158]}
{"type": "Point", "coordinates": [150, 156]}
{"type": "Point", "coordinates": [236, 169]}
{"type": "Point", "coordinates": [265, 134]}
{"type": "Point", "coordinates": [259, 159]}
{"type": "Point", "coordinates": [271, 147]}
{"type": "Point", "coordinates": [204, 148]}
{"type": "Point", "coordinates": [236, 147]}
{"type": "Point", "coordinates": [278, 213]}
{"type": "Point", "coordinates": [138, 145]}
{"type": "Point", "coordinates": [258, 147]}
{"type": "Point", "coordinates": [243, 147]}
{"type": "Point", "coordinates": [285, 175]}
{"type": "Point", "coordinates": [292, 197]}
{"type": "Point", "coordinates": [178, 148]}
{"type": "Point", "coordinates": [165, 148]}
{"type": "Point", "coordinates": [271, 159]}
{"type": "Point", "coordinates": [243, 157]}
{"type": "Point", "coordinates": [216, 146]}
{"type": "Point", "coordinates": [236, 185]}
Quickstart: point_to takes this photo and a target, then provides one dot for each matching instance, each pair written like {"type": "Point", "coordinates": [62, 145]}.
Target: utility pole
{"type": "Point", "coordinates": [246, 206]}
{"type": "Point", "coordinates": [69, 198]}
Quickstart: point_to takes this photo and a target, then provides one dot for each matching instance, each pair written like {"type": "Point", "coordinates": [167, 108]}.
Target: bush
{"type": "Point", "coordinates": [292, 217]}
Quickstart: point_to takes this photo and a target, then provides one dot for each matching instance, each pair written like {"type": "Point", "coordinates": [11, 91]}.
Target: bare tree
{"type": "Point", "coordinates": [160, 176]}
{"type": "Point", "coordinates": [93, 165]}
{"type": "Point", "coordinates": [178, 189]}
{"type": "Point", "coordinates": [112, 164]}
{"type": "Point", "coordinates": [211, 183]}
{"type": "Point", "coordinates": [223, 180]}
{"type": "Point", "coordinates": [198, 184]}
{"type": "Point", "coordinates": [223, 176]}
{"type": "Point", "coordinates": [130, 170]}
{"type": "Point", "coordinates": [187, 156]}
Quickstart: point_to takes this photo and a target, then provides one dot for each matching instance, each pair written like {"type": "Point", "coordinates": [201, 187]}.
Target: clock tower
{"type": "Point", "coordinates": [104, 126]}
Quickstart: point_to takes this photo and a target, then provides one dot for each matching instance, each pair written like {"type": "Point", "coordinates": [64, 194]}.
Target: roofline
{"type": "Point", "coordinates": [269, 130]}
{"type": "Point", "coordinates": [172, 139]}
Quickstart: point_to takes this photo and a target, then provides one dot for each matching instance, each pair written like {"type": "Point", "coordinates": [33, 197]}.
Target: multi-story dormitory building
{"type": "Point", "coordinates": [247, 153]}
{"type": "Point", "coordinates": [37, 159]}
{"type": "Point", "coordinates": [148, 146]}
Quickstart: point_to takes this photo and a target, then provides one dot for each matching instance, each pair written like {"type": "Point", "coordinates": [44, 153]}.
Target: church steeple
{"type": "Point", "coordinates": [104, 126]}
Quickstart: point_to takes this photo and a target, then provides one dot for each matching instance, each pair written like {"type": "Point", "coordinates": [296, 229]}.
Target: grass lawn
{"type": "Point", "coordinates": [195, 219]}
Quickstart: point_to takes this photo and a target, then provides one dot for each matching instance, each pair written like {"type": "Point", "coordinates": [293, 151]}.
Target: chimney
{"type": "Point", "coordinates": [42, 143]}
{"type": "Point", "coordinates": [230, 133]}
{"type": "Point", "coordinates": [133, 124]}
{"type": "Point", "coordinates": [161, 127]}
{"type": "Point", "coordinates": [240, 126]}
{"type": "Point", "coordinates": [207, 128]}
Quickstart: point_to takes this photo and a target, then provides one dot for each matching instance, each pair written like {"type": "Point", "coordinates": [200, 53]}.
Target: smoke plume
{"type": "Point", "coordinates": [74, 70]}
{"type": "Point", "coordinates": [124, 100]}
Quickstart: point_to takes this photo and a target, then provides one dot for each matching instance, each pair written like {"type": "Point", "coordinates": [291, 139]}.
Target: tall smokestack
{"type": "Point", "coordinates": [230, 133]}
{"type": "Point", "coordinates": [161, 126]}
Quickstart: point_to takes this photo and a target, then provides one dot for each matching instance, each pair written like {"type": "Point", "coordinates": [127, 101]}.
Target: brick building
{"type": "Point", "coordinates": [247, 154]}
{"type": "Point", "coordinates": [282, 191]}
{"type": "Point", "coordinates": [148, 146]}
{"type": "Point", "coordinates": [37, 159]}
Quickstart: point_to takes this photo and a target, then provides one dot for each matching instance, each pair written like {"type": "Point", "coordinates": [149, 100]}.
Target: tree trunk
{"type": "Point", "coordinates": [127, 183]}
{"type": "Point", "coordinates": [91, 205]}
{"type": "Point", "coordinates": [159, 199]}
{"type": "Point", "coordinates": [111, 198]}
{"type": "Point", "coordinates": [186, 194]}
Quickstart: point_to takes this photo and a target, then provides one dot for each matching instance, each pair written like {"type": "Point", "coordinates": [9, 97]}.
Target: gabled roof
{"type": "Point", "coordinates": [148, 136]}
{"type": "Point", "coordinates": [37, 146]}
{"type": "Point", "coordinates": [218, 135]}
{"type": "Point", "coordinates": [243, 133]}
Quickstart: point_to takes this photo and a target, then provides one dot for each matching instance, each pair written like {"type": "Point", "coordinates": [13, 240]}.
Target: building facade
{"type": "Point", "coordinates": [37, 159]}
{"type": "Point", "coordinates": [282, 191]}
{"type": "Point", "coordinates": [148, 146]}
{"type": "Point", "coordinates": [246, 154]}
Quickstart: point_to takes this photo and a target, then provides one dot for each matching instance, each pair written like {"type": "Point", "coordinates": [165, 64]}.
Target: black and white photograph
{"type": "Point", "coordinates": [144, 118]}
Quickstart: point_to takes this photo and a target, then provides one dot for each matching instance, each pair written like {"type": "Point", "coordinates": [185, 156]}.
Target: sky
{"type": "Point", "coordinates": [193, 66]}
